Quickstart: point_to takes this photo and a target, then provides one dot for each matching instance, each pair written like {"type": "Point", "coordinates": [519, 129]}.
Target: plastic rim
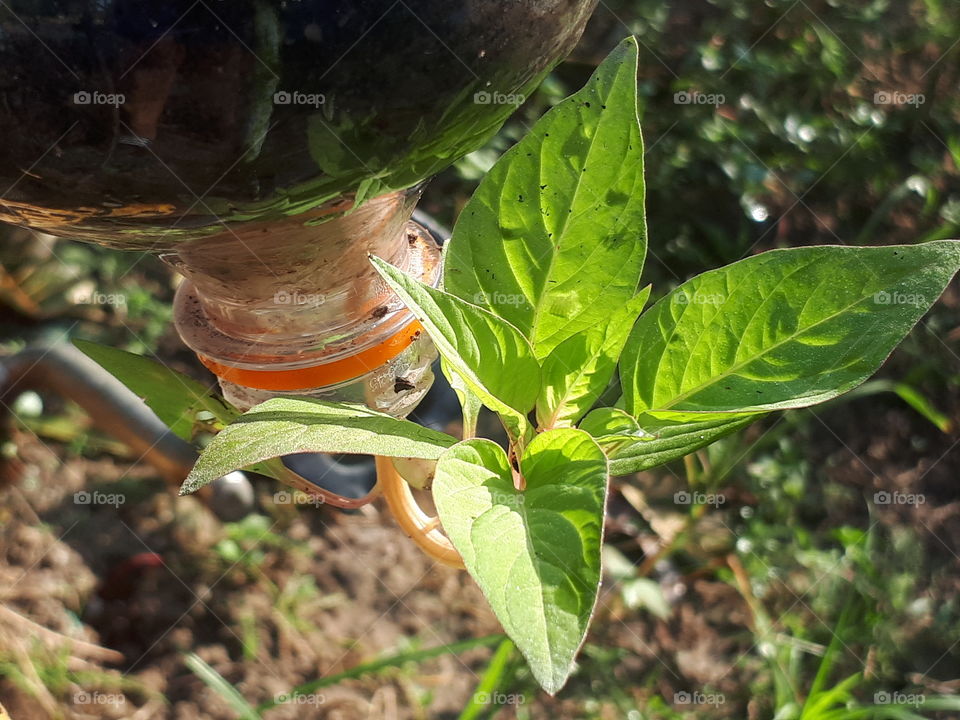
{"type": "Point", "coordinates": [316, 376]}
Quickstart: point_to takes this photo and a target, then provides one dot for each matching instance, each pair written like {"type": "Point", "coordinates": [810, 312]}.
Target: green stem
{"type": "Point", "coordinates": [492, 680]}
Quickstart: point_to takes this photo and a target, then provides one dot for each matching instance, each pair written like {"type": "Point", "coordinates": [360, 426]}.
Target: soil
{"type": "Point", "coordinates": [262, 626]}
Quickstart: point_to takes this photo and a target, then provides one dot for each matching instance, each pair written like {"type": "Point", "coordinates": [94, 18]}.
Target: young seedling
{"type": "Point", "coordinates": [540, 305]}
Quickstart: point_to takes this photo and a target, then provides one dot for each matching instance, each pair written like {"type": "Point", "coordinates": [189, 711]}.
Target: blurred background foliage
{"type": "Point", "coordinates": [801, 146]}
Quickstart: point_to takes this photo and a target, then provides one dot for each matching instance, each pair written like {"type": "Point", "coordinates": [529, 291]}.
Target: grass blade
{"type": "Point", "coordinates": [215, 681]}
{"type": "Point", "coordinates": [493, 679]}
{"type": "Point", "coordinates": [388, 662]}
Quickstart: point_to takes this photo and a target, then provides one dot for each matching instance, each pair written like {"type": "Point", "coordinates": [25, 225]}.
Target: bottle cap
{"type": "Point", "coordinates": [323, 375]}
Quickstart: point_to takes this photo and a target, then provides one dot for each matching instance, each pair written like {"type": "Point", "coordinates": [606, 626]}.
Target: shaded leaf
{"type": "Point", "coordinates": [671, 441]}
{"type": "Point", "coordinates": [612, 428]}
{"type": "Point", "coordinates": [174, 397]}
{"type": "Point", "coordinates": [281, 426]}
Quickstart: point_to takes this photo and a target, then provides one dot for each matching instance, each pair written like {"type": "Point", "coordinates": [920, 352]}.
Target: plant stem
{"type": "Point", "coordinates": [422, 529]}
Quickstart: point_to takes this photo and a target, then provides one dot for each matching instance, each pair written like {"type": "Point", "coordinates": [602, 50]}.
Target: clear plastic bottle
{"type": "Point", "coordinates": [298, 309]}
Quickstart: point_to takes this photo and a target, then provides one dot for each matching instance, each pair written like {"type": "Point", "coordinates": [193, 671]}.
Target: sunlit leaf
{"type": "Point", "coordinates": [555, 235]}
{"type": "Point", "coordinates": [785, 329]}
{"type": "Point", "coordinates": [493, 359]}
{"type": "Point", "coordinates": [535, 553]}
{"type": "Point", "coordinates": [576, 372]}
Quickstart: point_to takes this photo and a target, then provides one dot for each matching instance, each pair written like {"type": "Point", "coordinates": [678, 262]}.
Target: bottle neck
{"type": "Point", "coordinates": [300, 293]}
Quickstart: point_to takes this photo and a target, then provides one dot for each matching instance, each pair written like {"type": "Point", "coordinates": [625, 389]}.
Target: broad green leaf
{"type": "Point", "coordinates": [535, 553]}
{"type": "Point", "coordinates": [494, 360]}
{"type": "Point", "coordinates": [576, 372]}
{"type": "Point", "coordinates": [784, 329]}
{"type": "Point", "coordinates": [670, 441]}
{"type": "Point", "coordinates": [281, 426]}
{"type": "Point", "coordinates": [174, 397]}
{"type": "Point", "coordinates": [555, 235]}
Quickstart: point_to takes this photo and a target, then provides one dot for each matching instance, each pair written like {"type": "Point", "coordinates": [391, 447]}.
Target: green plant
{"type": "Point", "coordinates": [55, 679]}
{"type": "Point", "coordinates": [823, 701]}
{"type": "Point", "coordinates": [539, 307]}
